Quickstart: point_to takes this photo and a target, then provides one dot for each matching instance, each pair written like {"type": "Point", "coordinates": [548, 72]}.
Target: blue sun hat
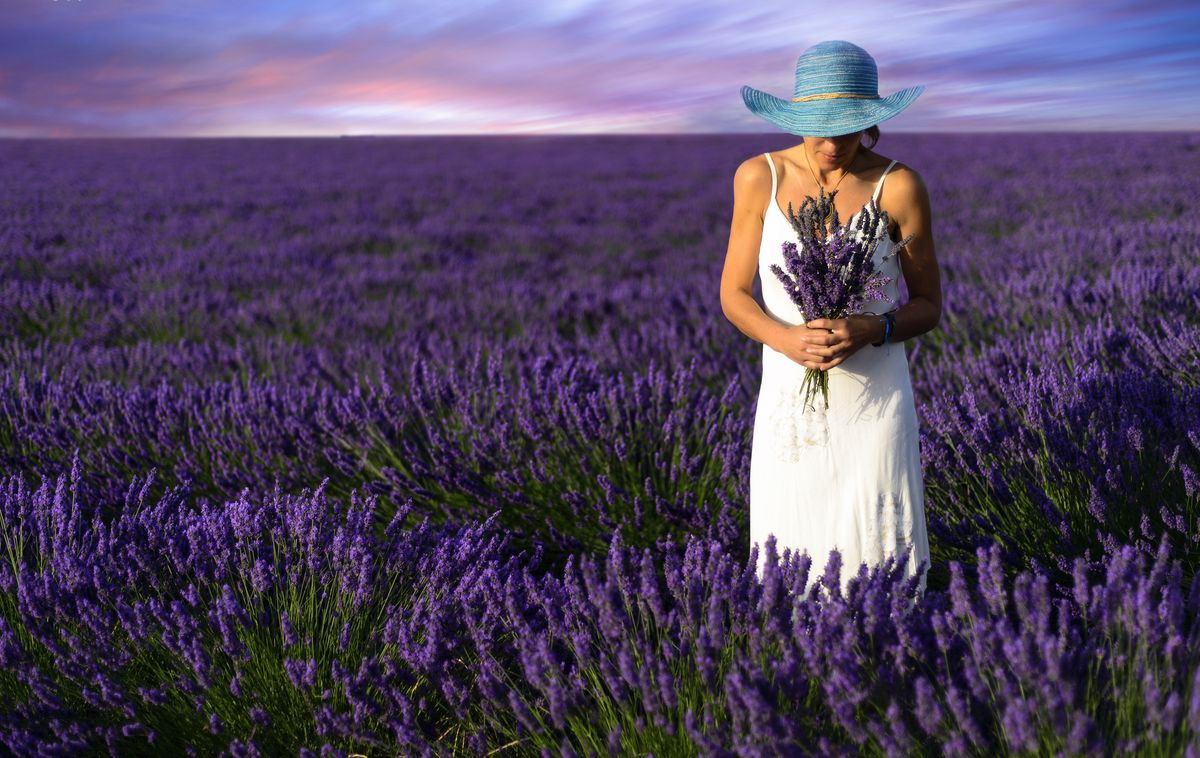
{"type": "Point", "coordinates": [837, 92]}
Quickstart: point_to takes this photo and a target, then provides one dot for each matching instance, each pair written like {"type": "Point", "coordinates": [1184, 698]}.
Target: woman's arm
{"type": "Point", "coordinates": [751, 185]}
{"type": "Point", "coordinates": [909, 200]}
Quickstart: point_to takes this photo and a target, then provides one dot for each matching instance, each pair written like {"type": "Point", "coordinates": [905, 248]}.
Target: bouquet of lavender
{"type": "Point", "coordinates": [836, 275]}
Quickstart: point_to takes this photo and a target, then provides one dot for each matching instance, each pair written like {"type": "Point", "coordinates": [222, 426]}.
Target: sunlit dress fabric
{"type": "Point", "coordinates": [848, 476]}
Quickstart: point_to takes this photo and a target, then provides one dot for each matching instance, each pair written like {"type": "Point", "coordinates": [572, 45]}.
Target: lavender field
{"type": "Point", "coordinates": [440, 446]}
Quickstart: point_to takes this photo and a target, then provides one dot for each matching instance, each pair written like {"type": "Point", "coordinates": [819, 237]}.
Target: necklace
{"type": "Point", "coordinates": [845, 172]}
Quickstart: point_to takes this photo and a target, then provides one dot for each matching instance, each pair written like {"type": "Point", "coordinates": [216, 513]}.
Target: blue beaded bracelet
{"type": "Point", "coordinates": [889, 320]}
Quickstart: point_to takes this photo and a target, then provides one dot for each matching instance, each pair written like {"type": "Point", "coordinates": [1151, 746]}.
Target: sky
{"type": "Point", "coordinates": [132, 68]}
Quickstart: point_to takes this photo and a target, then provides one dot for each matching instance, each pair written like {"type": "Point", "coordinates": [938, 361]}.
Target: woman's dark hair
{"type": "Point", "coordinates": [873, 133]}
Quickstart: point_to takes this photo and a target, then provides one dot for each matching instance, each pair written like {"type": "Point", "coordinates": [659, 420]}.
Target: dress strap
{"type": "Point", "coordinates": [879, 186]}
{"type": "Point", "coordinates": [774, 184]}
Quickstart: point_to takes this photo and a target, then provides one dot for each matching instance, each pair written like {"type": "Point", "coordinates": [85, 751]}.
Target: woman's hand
{"type": "Point", "coordinates": [823, 343]}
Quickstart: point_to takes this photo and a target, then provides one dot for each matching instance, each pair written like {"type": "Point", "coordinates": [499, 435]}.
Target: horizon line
{"type": "Point", "coordinates": [545, 135]}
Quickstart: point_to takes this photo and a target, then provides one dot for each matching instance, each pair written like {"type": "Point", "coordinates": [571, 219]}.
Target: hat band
{"type": "Point", "coordinates": [827, 95]}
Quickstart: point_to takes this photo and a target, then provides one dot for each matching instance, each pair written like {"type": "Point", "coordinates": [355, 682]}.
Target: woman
{"type": "Point", "coordinates": [848, 477]}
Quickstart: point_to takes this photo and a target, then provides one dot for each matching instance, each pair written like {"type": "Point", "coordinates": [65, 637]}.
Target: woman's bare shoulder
{"type": "Point", "coordinates": [906, 176]}
{"type": "Point", "coordinates": [905, 196]}
{"type": "Point", "coordinates": [754, 167]}
{"type": "Point", "coordinates": [905, 187]}
{"type": "Point", "coordinates": [752, 182]}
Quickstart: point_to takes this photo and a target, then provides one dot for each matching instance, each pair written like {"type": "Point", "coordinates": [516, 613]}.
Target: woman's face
{"type": "Point", "coordinates": [832, 152]}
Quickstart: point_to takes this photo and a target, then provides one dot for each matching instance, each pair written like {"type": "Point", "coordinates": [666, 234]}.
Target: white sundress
{"type": "Point", "coordinates": [848, 477]}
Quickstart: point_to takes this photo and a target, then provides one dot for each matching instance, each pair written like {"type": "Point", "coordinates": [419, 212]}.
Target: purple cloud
{"type": "Point", "coordinates": [125, 68]}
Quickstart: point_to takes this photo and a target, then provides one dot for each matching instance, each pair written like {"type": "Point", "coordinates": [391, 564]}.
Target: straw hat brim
{"type": "Point", "coordinates": [827, 118]}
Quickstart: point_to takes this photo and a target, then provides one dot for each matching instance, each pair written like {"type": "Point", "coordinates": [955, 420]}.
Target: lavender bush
{"type": "Point", "coordinates": [290, 625]}
{"type": "Point", "coordinates": [276, 481]}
